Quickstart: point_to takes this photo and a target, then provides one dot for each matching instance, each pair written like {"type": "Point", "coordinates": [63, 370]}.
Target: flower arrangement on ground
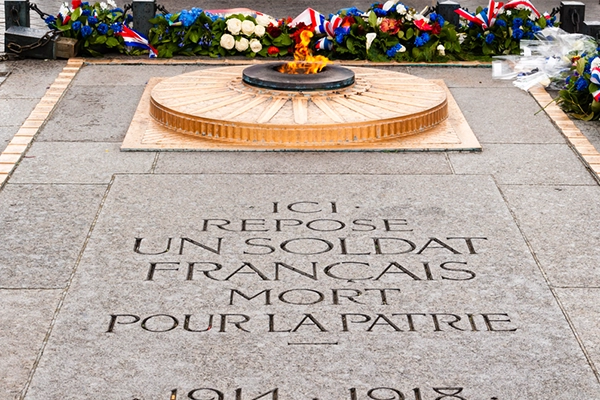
{"type": "Point", "coordinates": [581, 94]}
{"type": "Point", "coordinates": [95, 26]}
{"type": "Point", "coordinates": [499, 28]}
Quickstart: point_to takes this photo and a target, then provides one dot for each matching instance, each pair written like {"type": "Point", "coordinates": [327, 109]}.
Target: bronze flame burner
{"type": "Point", "coordinates": [267, 76]}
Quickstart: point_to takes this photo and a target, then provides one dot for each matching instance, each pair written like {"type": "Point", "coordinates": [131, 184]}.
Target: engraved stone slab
{"type": "Point", "coordinates": [309, 287]}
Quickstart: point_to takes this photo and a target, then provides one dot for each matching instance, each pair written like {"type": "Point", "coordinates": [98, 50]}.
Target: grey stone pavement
{"type": "Point", "coordinates": [91, 285]}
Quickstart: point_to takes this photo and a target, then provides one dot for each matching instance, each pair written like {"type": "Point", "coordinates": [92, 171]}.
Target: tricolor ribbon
{"type": "Point", "coordinates": [595, 78]}
{"type": "Point", "coordinates": [483, 19]}
{"type": "Point", "coordinates": [525, 3]}
{"type": "Point", "coordinates": [135, 39]}
{"type": "Point", "coordinates": [308, 17]}
{"type": "Point", "coordinates": [324, 44]}
{"type": "Point", "coordinates": [320, 25]}
{"type": "Point", "coordinates": [487, 20]}
{"type": "Point", "coordinates": [328, 27]}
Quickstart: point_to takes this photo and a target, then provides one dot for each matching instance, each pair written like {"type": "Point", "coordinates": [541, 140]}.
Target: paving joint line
{"type": "Point", "coordinates": [31, 127]}
{"type": "Point", "coordinates": [65, 291]}
{"type": "Point", "coordinates": [578, 142]}
{"type": "Point", "coordinates": [538, 263]}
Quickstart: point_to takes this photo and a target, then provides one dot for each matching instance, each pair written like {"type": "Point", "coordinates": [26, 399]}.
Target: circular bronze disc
{"type": "Point", "coordinates": [215, 103]}
{"type": "Point", "coordinates": [267, 76]}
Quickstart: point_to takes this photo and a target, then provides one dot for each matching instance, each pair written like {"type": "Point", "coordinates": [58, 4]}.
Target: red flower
{"type": "Point", "coordinates": [348, 21]}
{"type": "Point", "coordinates": [273, 31]}
{"type": "Point", "coordinates": [422, 25]}
{"type": "Point", "coordinates": [272, 50]}
{"type": "Point", "coordinates": [436, 29]}
{"type": "Point", "coordinates": [76, 4]}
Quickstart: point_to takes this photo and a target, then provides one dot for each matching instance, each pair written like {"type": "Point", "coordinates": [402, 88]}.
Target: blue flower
{"type": "Point", "coordinates": [50, 20]}
{"type": "Point", "coordinates": [351, 12]}
{"type": "Point", "coordinates": [86, 31]}
{"type": "Point", "coordinates": [518, 34]}
{"type": "Point", "coordinates": [117, 27]}
{"type": "Point", "coordinates": [76, 26]}
{"type": "Point", "coordinates": [422, 39]}
{"type": "Point", "coordinates": [489, 38]}
{"type": "Point", "coordinates": [187, 18]}
{"type": "Point", "coordinates": [102, 29]}
{"type": "Point", "coordinates": [581, 84]}
{"type": "Point", "coordinates": [435, 17]}
{"type": "Point", "coordinates": [92, 20]}
{"type": "Point", "coordinates": [501, 23]}
{"type": "Point", "coordinates": [86, 13]}
{"type": "Point", "coordinates": [529, 24]}
{"type": "Point", "coordinates": [529, 36]}
{"type": "Point", "coordinates": [117, 10]}
{"type": "Point", "coordinates": [517, 22]}
{"type": "Point", "coordinates": [391, 53]}
{"type": "Point", "coordinates": [380, 12]}
{"type": "Point", "coordinates": [340, 33]}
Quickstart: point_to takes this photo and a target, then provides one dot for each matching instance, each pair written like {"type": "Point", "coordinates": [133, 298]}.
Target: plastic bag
{"type": "Point", "coordinates": [543, 61]}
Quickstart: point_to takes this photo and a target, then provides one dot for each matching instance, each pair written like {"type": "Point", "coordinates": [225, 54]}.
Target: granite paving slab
{"type": "Point", "coordinates": [469, 77]}
{"type": "Point", "coordinates": [305, 162]}
{"type": "Point", "coordinates": [25, 317]}
{"type": "Point", "coordinates": [501, 106]}
{"type": "Point", "coordinates": [14, 111]}
{"type": "Point", "coordinates": [583, 307]}
{"type": "Point", "coordinates": [125, 75]}
{"type": "Point", "coordinates": [310, 287]}
{"type": "Point", "coordinates": [70, 162]}
{"type": "Point", "coordinates": [101, 114]}
{"type": "Point", "coordinates": [43, 230]}
{"type": "Point", "coordinates": [562, 224]}
{"type": "Point", "coordinates": [525, 164]}
{"type": "Point", "coordinates": [29, 79]}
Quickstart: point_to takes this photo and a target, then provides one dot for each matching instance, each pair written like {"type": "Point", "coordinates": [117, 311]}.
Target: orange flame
{"type": "Point", "coordinates": [304, 62]}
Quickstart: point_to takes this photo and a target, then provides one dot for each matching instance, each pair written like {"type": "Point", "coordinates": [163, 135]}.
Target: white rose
{"type": "Point", "coordinates": [234, 26]}
{"type": "Point", "coordinates": [248, 27]}
{"type": "Point", "coordinates": [112, 3]}
{"type": "Point", "coordinates": [262, 20]}
{"type": "Point", "coordinates": [260, 30]}
{"type": "Point", "coordinates": [104, 6]}
{"type": "Point", "coordinates": [242, 44]}
{"type": "Point", "coordinates": [227, 41]}
{"type": "Point", "coordinates": [508, 12]}
{"type": "Point", "coordinates": [400, 9]}
{"type": "Point", "coordinates": [441, 50]}
{"type": "Point", "coordinates": [461, 37]}
{"type": "Point", "coordinates": [255, 45]}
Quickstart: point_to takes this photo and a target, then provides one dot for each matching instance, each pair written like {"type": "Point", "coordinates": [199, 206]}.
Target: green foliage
{"type": "Point", "coordinates": [577, 96]}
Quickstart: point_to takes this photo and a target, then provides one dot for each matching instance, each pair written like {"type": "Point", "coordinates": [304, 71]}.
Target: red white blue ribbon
{"type": "Point", "coordinates": [487, 20]}
{"type": "Point", "coordinates": [524, 3]}
{"type": "Point", "coordinates": [595, 78]}
{"type": "Point", "coordinates": [483, 19]}
{"type": "Point", "coordinates": [308, 17]}
{"type": "Point", "coordinates": [324, 44]}
{"type": "Point", "coordinates": [135, 39]}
